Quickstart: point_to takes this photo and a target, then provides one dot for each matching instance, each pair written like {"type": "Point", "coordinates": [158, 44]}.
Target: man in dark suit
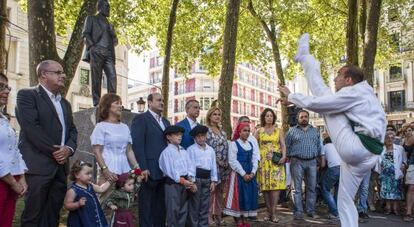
{"type": "Point", "coordinates": [47, 139]}
{"type": "Point", "coordinates": [192, 108]}
{"type": "Point", "coordinates": [100, 40]}
{"type": "Point", "coordinates": [148, 142]}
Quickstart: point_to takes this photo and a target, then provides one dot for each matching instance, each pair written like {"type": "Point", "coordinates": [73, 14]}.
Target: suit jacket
{"type": "Point", "coordinates": [148, 142]}
{"type": "Point", "coordinates": [92, 32]}
{"type": "Point", "coordinates": [187, 139]}
{"type": "Point", "coordinates": [41, 129]}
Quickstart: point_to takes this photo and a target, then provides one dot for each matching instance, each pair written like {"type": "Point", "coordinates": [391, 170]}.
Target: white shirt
{"type": "Point", "coordinates": [158, 118]}
{"type": "Point", "coordinates": [11, 161]}
{"type": "Point", "coordinates": [234, 164]}
{"type": "Point", "coordinates": [174, 162]}
{"type": "Point", "coordinates": [193, 124]}
{"type": "Point", "coordinates": [331, 155]}
{"type": "Point", "coordinates": [56, 102]}
{"type": "Point", "coordinates": [357, 102]}
{"type": "Point", "coordinates": [253, 140]}
{"type": "Point", "coordinates": [114, 137]}
{"type": "Point", "coordinates": [204, 158]}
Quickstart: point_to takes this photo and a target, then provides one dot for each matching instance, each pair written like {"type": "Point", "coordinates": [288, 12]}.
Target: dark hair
{"type": "Point", "coordinates": [356, 73]}
{"type": "Point", "coordinates": [242, 118]}
{"type": "Point", "coordinates": [105, 105]}
{"type": "Point", "coordinates": [263, 116]}
{"type": "Point", "coordinates": [187, 104]}
{"type": "Point", "coordinates": [392, 126]}
{"type": "Point", "coordinates": [3, 77]}
{"type": "Point", "coordinates": [302, 111]}
{"type": "Point", "coordinates": [100, 4]}
{"type": "Point", "coordinates": [327, 140]}
{"type": "Point", "coordinates": [76, 168]}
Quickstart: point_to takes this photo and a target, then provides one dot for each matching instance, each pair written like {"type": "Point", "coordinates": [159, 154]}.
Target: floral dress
{"type": "Point", "coordinates": [391, 188]}
{"type": "Point", "coordinates": [270, 176]}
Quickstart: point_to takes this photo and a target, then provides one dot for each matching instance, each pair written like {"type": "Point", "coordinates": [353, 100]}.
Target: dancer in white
{"type": "Point", "coordinates": [354, 118]}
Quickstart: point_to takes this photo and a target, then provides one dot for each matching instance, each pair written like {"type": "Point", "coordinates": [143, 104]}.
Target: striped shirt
{"type": "Point", "coordinates": [303, 144]}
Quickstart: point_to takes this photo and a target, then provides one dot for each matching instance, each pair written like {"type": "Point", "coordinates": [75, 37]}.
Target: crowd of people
{"type": "Point", "coordinates": [190, 174]}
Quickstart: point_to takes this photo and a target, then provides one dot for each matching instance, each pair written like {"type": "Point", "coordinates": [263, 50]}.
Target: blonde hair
{"type": "Point", "coordinates": [209, 113]}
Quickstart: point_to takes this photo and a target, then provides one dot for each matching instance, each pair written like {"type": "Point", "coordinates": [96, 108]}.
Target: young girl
{"type": "Point", "coordinates": [81, 201]}
{"type": "Point", "coordinates": [122, 198]}
{"type": "Point", "coordinates": [241, 199]}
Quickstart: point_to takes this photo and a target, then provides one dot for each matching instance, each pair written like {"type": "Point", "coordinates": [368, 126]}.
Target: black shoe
{"type": "Point", "coordinates": [363, 215]}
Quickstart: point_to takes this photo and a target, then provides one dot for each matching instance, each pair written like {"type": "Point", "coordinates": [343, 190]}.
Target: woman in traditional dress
{"type": "Point", "coordinates": [241, 198]}
{"type": "Point", "coordinates": [271, 174]}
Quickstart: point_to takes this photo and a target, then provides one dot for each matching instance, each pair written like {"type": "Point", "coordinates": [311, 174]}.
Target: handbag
{"type": "Point", "coordinates": [276, 157]}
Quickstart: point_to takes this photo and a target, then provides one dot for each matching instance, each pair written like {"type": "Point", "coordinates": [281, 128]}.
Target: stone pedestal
{"type": "Point", "coordinates": [85, 121]}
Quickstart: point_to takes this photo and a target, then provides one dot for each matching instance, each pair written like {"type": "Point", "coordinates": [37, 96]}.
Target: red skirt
{"type": "Point", "coordinates": [123, 218]}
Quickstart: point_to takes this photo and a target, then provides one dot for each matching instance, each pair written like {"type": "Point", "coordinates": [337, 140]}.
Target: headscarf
{"type": "Point", "coordinates": [239, 127]}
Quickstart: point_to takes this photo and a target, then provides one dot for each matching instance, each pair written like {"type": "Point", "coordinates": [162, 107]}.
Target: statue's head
{"type": "Point", "coordinates": [103, 7]}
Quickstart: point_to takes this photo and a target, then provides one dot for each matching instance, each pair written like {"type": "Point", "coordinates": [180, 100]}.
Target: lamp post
{"type": "Point", "coordinates": [141, 105]}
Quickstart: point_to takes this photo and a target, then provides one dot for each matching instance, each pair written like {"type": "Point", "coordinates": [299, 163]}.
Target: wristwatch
{"type": "Point", "coordinates": [104, 168]}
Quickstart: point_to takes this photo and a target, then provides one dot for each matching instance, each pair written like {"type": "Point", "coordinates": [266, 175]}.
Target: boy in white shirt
{"type": "Point", "coordinates": [176, 166]}
{"type": "Point", "coordinates": [203, 159]}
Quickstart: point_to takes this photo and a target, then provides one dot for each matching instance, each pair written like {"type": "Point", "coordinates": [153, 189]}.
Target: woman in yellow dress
{"type": "Point", "coordinates": [271, 176]}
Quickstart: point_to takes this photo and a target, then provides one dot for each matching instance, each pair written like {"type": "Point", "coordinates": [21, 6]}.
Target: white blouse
{"type": "Point", "coordinates": [234, 164]}
{"type": "Point", "coordinates": [204, 158]}
{"type": "Point", "coordinates": [174, 162]}
{"type": "Point", "coordinates": [11, 161]}
{"type": "Point", "coordinates": [114, 137]}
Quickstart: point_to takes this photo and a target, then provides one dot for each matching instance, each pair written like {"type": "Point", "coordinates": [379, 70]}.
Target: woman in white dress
{"type": "Point", "coordinates": [111, 141]}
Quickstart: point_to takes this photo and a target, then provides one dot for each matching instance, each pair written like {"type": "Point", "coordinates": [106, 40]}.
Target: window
{"type": "Point", "coordinates": [205, 103]}
{"type": "Point", "coordinates": [84, 76]}
{"type": "Point", "coordinates": [395, 74]}
{"type": "Point", "coordinates": [396, 100]}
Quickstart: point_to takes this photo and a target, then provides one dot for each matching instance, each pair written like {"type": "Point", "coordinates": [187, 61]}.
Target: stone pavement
{"type": "Point", "coordinates": [286, 219]}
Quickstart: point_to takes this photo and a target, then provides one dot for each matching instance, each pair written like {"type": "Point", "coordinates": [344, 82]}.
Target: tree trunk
{"type": "Point", "coordinates": [228, 63]}
{"type": "Point", "coordinates": [271, 36]}
{"type": "Point", "coordinates": [370, 41]}
{"type": "Point", "coordinates": [3, 24]}
{"type": "Point", "coordinates": [42, 38]}
{"type": "Point", "coordinates": [167, 56]}
{"type": "Point", "coordinates": [75, 48]}
{"type": "Point", "coordinates": [352, 33]}
{"type": "Point", "coordinates": [363, 21]}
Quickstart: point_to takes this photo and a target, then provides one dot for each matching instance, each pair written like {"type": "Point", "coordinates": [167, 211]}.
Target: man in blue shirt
{"type": "Point", "coordinates": [303, 146]}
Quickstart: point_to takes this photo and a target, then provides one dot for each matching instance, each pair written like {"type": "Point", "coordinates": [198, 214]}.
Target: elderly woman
{"type": "Point", "coordinates": [391, 167]}
{"type": "Point", "coordinates": [12, 166]}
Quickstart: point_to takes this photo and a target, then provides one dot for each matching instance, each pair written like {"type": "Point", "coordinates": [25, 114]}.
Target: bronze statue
{"type": "Point", "coordinates": [100, 41]}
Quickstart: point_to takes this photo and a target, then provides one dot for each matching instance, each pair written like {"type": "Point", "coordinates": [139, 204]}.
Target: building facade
{"type": "Point", "coordinates": [79, 94]}
{"type": "Point", "coordinates": [252, 91]}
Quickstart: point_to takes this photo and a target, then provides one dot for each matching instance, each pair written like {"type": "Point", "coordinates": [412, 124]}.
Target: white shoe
{"type": "Point", "coordinates": [303, 47]}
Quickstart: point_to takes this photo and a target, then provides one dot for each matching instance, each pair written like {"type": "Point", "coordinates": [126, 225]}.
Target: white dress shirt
{"type": "Point", "coordinates": [203, 158]}
{"type": "Point", "coordinates": [56, 102]}
{"type": "Point", "coordinates": [358, 103]}
{"type": "Point", "coordinates": [114, 137]}
{"type": "Point", "coordinates": [174, 162]}
{"type": "Point", "coordinates": [158, 118]}
{"type": "Point", "coordinates": [234, 164]}
{"type": "Point", "coordinates": [193, 124]}
{"type": "Point", "coordinates": [11, 161]}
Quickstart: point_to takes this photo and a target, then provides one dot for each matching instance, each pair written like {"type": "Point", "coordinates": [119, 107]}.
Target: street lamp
{"type": "Point", "coordinates": [141, 105]}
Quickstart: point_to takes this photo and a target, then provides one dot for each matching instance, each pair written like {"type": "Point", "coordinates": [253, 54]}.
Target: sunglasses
{"type": "Point", "coordinates": [4, 87]}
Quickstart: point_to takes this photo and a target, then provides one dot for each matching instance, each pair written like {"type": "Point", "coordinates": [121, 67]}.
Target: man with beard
{"type": "Point", "coordinates": [303, 147]}
{"type": "Point", "coordinates": [354, 118]}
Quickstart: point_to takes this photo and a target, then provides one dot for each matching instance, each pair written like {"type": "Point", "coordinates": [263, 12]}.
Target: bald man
{"type": "Point", "coordinates": [47, 139]}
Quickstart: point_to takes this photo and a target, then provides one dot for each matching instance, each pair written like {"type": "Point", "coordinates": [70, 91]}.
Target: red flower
{"type": "Point", "coordinates": [137, 171]}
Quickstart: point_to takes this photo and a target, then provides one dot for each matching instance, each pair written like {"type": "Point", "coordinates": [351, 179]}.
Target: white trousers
{"type": "Point", "coordinates": [356, 159]}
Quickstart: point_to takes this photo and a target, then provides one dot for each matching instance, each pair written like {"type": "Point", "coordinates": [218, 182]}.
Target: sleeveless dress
{"type": "Point", "coordinates": [269, 175]}
{"type": "Point", "coordinates": [89, 215]}
{"type": "Point", "coordinates": [241, 199]}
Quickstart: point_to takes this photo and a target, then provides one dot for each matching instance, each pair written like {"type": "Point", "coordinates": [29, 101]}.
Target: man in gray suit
{"type": "Point", "coordinates": [100, 39]}
{"type": "Point", "coordinates": [47, 139]}
{"type": "Point", "coordinates": [147, 132]}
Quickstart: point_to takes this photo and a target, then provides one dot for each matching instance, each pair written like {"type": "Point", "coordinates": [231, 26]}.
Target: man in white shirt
{"type": "Point", "coordinates": [354, 118]}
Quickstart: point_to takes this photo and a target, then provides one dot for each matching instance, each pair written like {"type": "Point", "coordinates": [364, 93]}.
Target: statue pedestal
{"type": "Point", "coordinates": [85, 121]}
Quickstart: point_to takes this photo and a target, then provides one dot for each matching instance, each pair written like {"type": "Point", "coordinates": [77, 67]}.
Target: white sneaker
{"type": "Point", "coordinates": [303, 47]}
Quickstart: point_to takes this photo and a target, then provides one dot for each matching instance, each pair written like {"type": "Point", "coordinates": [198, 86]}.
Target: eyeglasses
{"type": "Point", "coordinates": [57, 72]}
{"type": "Point", "coordinates": [4, 87]}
